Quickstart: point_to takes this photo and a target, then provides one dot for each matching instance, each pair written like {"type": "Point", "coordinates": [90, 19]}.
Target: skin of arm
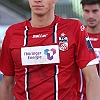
{"type": "Point", "coordinates": [92, 82]}
{"type": "Point", "coordinates": [6, 88]}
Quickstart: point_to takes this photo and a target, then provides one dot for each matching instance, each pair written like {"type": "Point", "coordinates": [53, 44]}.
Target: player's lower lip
{"type": "Point", "coordinates": [37, 6]}
{"type": "Point", "coordinates": [90, 23]}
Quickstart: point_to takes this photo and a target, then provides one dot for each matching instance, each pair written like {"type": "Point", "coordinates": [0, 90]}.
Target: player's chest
{"type": "Point", "coordinates": [61, 36]}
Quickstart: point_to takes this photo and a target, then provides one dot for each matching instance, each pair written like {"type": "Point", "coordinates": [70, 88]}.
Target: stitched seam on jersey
{"type": "Point", "coordinates": [81, 85]}
{"type": "Point", "coordinates": [26, 84]}
{"type": "Point", "coordinates": [25, 36]}
{"type": "Point", "coordinates": [81, 79]}
{"type": "Point", "coordinates": [56, 66]}
{"type": "Point", "coordinates": [56, 82]}
{"type": "Point", "coordinates": [26, 69]}
{"type": "Point", "coordinates": [55, 33]}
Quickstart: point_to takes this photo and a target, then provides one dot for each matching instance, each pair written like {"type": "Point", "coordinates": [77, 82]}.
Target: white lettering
{"type": "Point", "coordinates": [94, 39]}
{"type": "Point", "coordinates": [40, 36]}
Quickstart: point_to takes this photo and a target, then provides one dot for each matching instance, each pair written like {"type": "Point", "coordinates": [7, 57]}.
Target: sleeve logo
{"type": "Point", "coordinates": [89, 45]}
{"type": "Point", "coordinates": [82, 28]}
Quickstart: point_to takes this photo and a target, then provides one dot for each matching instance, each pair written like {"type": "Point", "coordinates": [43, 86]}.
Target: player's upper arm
{"type": "Point", "coordinates": [90, 72]}
{"type": "Point", "coordinates": [7, 81]}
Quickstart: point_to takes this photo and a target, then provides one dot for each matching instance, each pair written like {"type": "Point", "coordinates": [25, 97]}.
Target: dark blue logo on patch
{"type": "Point", "coordinates": [89, 45]}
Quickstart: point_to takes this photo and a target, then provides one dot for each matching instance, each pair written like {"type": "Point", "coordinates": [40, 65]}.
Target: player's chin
{"type": "Point", "coordinates": [92, 25]}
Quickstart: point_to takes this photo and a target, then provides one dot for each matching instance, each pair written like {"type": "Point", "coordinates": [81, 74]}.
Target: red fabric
{"type": "Point", "coordinates": [95, 40]}
{"type": "Point", "coordinates": [40, 81]}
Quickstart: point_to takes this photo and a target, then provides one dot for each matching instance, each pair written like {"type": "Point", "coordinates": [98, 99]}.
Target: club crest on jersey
{"type": "Point", "coordinates": [63, 42]}
{"type": "Point", "coordinates": [89, 45]}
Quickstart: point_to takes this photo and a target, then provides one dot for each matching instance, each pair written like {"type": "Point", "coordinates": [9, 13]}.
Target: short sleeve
{"type": "Point", "coordinates": [7, 65]}
{"type": "Point", "coordinates": [84, 52]}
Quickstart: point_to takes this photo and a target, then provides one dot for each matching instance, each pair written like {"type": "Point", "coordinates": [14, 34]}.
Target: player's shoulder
{"type": "Point", "coordinates": [73, 21]}
{"type": "Point", "coordinates": [70, 21]}
{"type": "Point", "coordinates": [17, 25]}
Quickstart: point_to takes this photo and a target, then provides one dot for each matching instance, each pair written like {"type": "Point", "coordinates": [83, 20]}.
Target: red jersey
{"type": "Point", "coordinates": [55, 81]}
{"type": "Point", "coordinates": [95, 40]}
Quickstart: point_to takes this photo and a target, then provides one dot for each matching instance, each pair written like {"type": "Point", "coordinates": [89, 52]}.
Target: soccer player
{"type": "Point", "coordinates": [91, 14]}
{"type": "Point", "coordinates": [41, 56]}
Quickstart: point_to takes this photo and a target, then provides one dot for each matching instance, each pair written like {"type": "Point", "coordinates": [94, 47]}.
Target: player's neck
{"type": "Point", "coordinates": [93, 30]}
{"type": "Point", "coordinates": [42, 21]}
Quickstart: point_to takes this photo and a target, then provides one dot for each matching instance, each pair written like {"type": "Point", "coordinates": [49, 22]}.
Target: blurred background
{"type": "Point", "coordinates": [13, 11]}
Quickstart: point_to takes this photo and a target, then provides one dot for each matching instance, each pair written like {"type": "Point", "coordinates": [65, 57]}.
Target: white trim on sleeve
{"type": "Point", "coordinates": [92, 62]}
{"type": "Point", "coordinates": [1, 72]}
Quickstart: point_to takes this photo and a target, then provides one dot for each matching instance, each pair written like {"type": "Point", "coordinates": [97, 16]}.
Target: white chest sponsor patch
{"type": "Point", "coordinates": [40, 55]}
